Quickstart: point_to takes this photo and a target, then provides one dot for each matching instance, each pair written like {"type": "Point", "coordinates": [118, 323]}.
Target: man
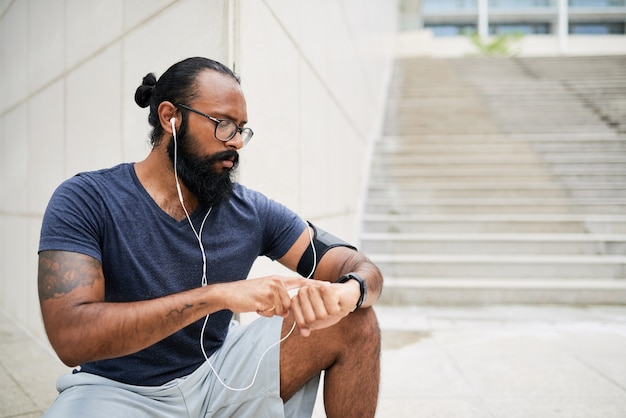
{"type": "Point", "coordinates": [141, 267]}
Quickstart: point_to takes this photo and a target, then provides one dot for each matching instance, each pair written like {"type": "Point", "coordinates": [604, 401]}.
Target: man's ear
{"type": "Point", "coordinates": [166, 112]}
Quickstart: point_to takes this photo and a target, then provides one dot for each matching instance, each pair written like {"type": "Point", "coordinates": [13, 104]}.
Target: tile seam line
{"type": "Point", "coordinates": [62, 75]}
{"type": "Point", "coordinates": [28, 334]}
{"type": "Point", "coordinates": [26, 215]}
{"type": "Point", "coordinates": [600, 373]}
{"type": "Point", "coordinates": [318, 76]}
{"type": "Point", "coordinates": [477, 395]}
{"type": "Point", "coordinates": [6, 11]}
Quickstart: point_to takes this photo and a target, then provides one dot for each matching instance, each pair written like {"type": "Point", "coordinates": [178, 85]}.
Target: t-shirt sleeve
{"type": "Point", "coordinates": [73, 220]}
{"type": "Point", "coordinates": [281, 226]}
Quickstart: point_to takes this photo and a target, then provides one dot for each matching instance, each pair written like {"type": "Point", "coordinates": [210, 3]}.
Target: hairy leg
{"type": "Point", "coordinates": [349, 352]}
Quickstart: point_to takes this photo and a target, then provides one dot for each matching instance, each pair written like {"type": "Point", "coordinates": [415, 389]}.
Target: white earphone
{"type": "Point", "coordinates": [173, 123]}
{"type": "Point", "coordinates": [198, 235]}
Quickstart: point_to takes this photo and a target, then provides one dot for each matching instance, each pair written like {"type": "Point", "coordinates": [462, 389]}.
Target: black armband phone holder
{"type": "Point", "coordinates": [323, 241]}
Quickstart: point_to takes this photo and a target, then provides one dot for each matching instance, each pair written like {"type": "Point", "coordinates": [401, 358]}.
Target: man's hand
{"type": "Point", "coordinates": [267, 296]}
{"type": "Point", "coordinates": [315, 304]}
{"type": "Point", "coordinates": [320, 304]}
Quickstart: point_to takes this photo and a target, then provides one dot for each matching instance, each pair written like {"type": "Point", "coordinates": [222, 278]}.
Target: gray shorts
{"type": "Point", "coordinates": [200, 394]}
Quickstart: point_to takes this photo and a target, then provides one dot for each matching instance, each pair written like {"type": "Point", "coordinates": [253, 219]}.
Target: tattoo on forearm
{"type": "Point", "coordinates": [180, 311]}
{"type": "Point", "coordinates": [60, 273]}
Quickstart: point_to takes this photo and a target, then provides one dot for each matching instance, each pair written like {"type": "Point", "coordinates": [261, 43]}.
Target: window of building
{"type": "Point", "coordinates": [519, 4]}
{"type": "Point", "coordinates": [449, 5]}
{"type": "Point", "coordinates": [451, 30]}
{"type": "Point", "coordinates": [597, 3]}
{"type": "Point", "coordinates": [524, 28]}
{"type": "Point", "coordinates": [614, 28]}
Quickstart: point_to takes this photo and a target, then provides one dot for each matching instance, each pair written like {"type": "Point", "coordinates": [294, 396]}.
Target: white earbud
{"type": "Point", "coordinates": [173, 122]}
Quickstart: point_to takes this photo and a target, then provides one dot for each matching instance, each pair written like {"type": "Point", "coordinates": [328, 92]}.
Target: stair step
{"type": "Point", "coordinates": [478, 126]}
{"type": "Point", "coordinates": [500, 266]}
{"type": "Point", "coordinates": [547, 150]}
{"type": "Point", "coordinates": [447, 190]}
{"type": "Point", "coordinates": [486, 157]}
{"type": "Point", "coordinates": [405, 112]}
{"type": "Point", "coordinates": [543, 137]}
{"type": "Point", "coordinates": [500, 141]}
{"type": "Point", "coordinates": [451, 291]}
{"type": "Point", "coordinates": [493, 184]}
{"type": "Point", "coordinates": [494, 223]}
{"type": "Point", "coordinates": [423, 146]}
{"type": "Point", "coordinates": [508, 201]}
{"type": "Point", "coordinates": [435, 207]}
{"type": "Point", "coordinates": [501, 168]}
{"type": "Point", "coordinates": [478, 177]}
{"type": "Point", "coordinates": [538, 244]}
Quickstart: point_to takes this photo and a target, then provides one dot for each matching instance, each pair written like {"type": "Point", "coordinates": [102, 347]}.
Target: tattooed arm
{"type": "Point", "coordinates": [83, 327]}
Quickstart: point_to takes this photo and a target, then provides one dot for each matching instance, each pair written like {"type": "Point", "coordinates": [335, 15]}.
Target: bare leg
{"type": "Point", "coordinates": [349, 352]}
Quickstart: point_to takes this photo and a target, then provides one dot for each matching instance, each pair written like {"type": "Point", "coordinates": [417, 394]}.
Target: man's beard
{"type": "Point", "coordinates": [199, 175]}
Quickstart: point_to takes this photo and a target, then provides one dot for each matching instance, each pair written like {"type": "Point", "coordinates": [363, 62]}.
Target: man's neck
{"type": "Point", "coordinates": [156, 174]}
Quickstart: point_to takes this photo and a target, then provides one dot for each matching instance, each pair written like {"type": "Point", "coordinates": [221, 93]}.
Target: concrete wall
{"type": "Point", "coordinates": [314, 73]}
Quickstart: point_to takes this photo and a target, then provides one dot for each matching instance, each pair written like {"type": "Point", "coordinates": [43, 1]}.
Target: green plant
{"type": "Point", "coordinates": [501, 45]}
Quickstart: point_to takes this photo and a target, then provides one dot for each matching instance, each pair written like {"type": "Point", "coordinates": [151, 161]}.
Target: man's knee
{"type": "Point", "coordinates": [362, 328]}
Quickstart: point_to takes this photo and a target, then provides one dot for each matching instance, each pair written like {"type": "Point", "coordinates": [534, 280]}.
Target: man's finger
{"type": "Point", "coordinates": [293, 282]}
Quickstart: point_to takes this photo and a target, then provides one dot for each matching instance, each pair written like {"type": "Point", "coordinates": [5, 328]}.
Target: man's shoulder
{"type": "Point", "coordinates": [109, 173]}
{"type": "Point", "coordinates": [244, 195]}
{"type": "Point", "coordinates": [105, 177]}
{"type": "Point", "coordinates": [257, 204]}
{"type": "Point", "coordinates": [241, 192]}
{"type": "Point", "coordinates": [97, 184]}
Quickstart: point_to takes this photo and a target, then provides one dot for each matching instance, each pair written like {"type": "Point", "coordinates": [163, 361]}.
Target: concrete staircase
{"type": "Point", "coordinates": [501, 180]}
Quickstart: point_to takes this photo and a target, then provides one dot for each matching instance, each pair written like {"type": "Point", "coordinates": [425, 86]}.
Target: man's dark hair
{"type": "Point", "coordinates": [176, 85]}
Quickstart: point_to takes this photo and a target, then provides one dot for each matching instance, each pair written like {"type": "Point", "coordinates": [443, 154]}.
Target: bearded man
{"type": "Point", "coordinates": [142, 265]}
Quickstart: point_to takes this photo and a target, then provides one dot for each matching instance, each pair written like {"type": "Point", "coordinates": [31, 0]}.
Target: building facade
{"type": "Point", "coordinates": [528, 17]}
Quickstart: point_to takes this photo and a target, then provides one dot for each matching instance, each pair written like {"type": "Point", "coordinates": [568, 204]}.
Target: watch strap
{"type": "Point", "coordinates": [362, 287]}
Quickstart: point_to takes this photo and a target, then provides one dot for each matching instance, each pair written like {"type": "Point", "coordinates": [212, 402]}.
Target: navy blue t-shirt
{"type": "Point", "coordinates": [146, 254]}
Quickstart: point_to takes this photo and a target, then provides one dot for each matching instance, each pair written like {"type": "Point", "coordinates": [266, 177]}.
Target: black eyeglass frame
{"type": "Point", "coordinates": [246, 133]}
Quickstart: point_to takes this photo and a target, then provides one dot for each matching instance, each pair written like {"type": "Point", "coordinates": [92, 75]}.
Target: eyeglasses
{"type": "Point", "coordinates": [225, 129]}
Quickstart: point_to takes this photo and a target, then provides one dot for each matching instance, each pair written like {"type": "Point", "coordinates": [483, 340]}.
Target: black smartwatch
{"type": "Point", "coordinates": [362, 287]}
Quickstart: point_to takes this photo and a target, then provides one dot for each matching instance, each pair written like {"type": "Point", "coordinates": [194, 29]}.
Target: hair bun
{"type": "Point", "coordinates": [144, 92]}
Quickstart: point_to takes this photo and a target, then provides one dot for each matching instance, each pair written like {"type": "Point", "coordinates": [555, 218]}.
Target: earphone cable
{"type": "Point", "coordinates": [198, 235]}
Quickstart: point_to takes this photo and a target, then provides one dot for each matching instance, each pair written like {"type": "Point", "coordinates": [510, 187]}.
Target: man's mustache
{"type": "Point", "coordinates": [230, 155]}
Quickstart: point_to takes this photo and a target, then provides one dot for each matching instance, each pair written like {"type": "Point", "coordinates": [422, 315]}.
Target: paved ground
{"type": "Point", "coordinates": [492, 362]}
{"type": "Point", "coordinates": [498, 362]}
